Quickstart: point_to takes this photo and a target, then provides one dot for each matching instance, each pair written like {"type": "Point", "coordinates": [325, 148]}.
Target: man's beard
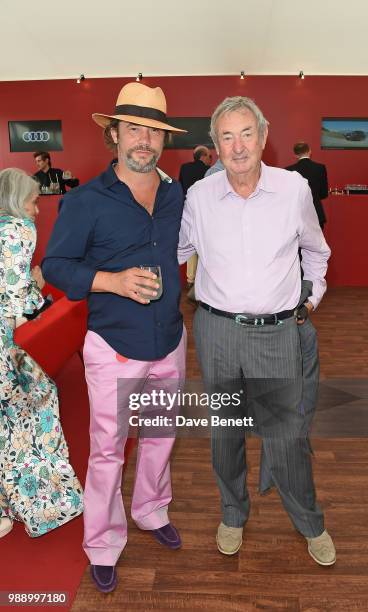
{"type": "Point", "coordinates": [141, 166]}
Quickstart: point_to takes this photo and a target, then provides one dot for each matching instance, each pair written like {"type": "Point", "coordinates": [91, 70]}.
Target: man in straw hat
{"type": "Point", "coordinates": [127, 217]}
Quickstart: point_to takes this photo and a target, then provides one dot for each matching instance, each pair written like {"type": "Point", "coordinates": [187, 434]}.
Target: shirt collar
{"type": "Point", "coordinates": [266, 180]}
{"type": "Point", "coordinates": [163, 176]}
{"type": "Point", "coordinates": [265, 183]}
{"type": "Point", "coordinates": [109, 177]}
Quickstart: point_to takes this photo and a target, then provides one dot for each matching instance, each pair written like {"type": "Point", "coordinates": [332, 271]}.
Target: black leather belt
{"type": "Point", "coordinates": [242, 319]}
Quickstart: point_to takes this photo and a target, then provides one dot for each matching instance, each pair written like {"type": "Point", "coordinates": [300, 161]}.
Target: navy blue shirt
{"type": "Point", "coordinates": [101, 227]}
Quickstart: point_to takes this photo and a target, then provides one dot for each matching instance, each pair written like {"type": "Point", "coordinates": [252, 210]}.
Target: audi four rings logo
{"type": "Point", "coordinates": [36, 136]}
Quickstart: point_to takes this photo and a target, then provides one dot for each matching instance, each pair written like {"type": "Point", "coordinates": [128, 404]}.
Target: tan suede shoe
{"type": "Point", "coordinates": [322, 549]}
{"type": "Point", "coordinates": [229, 539]}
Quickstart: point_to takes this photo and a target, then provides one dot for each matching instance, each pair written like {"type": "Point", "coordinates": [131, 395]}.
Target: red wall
{"type": "Point", "coordinates": [293, 107]}
{"type": "Point", "coordinates": [346, 234]}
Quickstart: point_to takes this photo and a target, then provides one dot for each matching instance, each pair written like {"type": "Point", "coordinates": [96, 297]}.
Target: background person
{"type": "Point", "coordinates": [38, 486]}
{"type": "Point", "coordinates": [316, 175]}
{"type": "Point", "coordinates": [52, 180]}
{"type": "Point", "coordinates": [217, 167]}
{"type": "Point", "coordinates": [191, 172]}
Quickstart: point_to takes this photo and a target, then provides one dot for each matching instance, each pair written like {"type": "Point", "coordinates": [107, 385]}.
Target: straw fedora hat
{"type": "Point", "coordinates": [139, 104]}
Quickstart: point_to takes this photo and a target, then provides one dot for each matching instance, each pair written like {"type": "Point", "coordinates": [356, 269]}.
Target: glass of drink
{"type": "Point", "coordinates": [54, 187]}
{"type": "Point", "coordinates": [156, 270]}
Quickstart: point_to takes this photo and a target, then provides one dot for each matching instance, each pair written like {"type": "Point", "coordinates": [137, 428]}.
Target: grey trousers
{"type": "Point", "coordinates": [267, 363]}
{"type": "Point", "coordinates": [310, 370]}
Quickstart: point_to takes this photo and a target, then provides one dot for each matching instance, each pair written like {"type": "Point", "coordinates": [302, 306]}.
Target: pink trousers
{"type": "Point", "coordinates": [105, 525]}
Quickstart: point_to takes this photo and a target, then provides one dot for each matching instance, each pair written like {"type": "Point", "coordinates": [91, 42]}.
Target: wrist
{"type": "Point", "coordinates": [309, 305]}
{"type": "Point", "coordinates": [102, 282]}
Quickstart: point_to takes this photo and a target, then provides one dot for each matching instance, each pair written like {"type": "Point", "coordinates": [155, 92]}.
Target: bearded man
{"type": "Point", "coordinates": [127, 217]}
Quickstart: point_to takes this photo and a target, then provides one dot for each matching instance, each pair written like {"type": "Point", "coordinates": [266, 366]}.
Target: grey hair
{"type": "Point", "coordinates": [238, 103]}
{"type": "Point", "coordinates": [16, 187]}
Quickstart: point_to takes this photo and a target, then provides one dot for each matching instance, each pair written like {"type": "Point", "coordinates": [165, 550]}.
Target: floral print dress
{"type": "Point", "coordinates": [38, 485]}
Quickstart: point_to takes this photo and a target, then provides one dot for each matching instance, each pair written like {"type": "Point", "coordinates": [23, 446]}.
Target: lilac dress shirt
{"type": "Point", "coordinates": [248, 247]}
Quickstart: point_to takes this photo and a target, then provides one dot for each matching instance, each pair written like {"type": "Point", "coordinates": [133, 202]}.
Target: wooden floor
{"type": "Point", "coordinates": [272, 570]}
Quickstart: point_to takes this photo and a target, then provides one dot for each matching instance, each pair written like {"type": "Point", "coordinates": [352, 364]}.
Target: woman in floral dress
{"type": "Point", "coordinates": [38, 486]}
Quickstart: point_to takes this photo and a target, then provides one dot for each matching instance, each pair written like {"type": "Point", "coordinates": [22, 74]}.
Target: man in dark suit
{"type": "Point", "coordinates": [195, 170]}
{"type": "Point", "coordinates": [316, 176]}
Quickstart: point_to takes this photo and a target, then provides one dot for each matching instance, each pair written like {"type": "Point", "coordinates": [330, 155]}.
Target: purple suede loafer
{"type": "Point", "coordinates": [168, 536]}
{"type": "Point", "coordinates": [104, 577]}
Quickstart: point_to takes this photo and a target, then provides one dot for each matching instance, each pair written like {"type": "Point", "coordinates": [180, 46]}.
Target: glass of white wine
{"type": "Point", "coordinates": [156, 270]}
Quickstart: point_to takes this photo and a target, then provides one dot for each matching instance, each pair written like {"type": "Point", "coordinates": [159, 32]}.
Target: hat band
{"type": "Point", "coordinates": [140, 111]}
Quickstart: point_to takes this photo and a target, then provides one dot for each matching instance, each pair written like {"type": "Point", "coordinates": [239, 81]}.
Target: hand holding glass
{"type": "Point", "coordinates": [156, 270]}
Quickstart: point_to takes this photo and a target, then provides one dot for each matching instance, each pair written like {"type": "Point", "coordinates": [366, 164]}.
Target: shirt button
{"type": "Point", "coordinates": [158, 324]}
{"type": "Point", "coordinates": [154, 243]}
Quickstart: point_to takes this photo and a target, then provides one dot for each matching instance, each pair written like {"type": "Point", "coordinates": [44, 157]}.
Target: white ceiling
{"type": "Point", "coordinates": [61, 39]}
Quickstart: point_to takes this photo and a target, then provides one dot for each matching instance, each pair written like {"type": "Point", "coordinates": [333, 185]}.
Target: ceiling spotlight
{"type": "Point", "coordinates": [301, 74]}
{"type": "Point", "coordinates": [242, 75]}
{"type": "Point", "coordinates": [139, 77]}
{"type": "Point", "coordinates": [81, 78]}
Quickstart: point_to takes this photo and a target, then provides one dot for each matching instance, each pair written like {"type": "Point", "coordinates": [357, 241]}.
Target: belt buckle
{"type": "Point", "coordinates": [258, 321]}
{"type": "Point", "coordinates": [241, 319]}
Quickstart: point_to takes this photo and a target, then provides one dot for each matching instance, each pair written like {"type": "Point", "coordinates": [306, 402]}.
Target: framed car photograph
{"type": "Point", "coordinates": [344, 133]}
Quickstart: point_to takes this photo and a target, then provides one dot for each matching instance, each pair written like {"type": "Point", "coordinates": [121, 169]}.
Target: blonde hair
{"type": "Point", "coordinates": [16, 187]}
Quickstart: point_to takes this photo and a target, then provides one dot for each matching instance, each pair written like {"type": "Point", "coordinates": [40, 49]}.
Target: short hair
{"type": "Point", "coordinates": [238, 103]}
{"type": "Point", "coordinates": [114, 124]}
{"type": "Point", "coordinates": [16, 187]}
{"type": "Point", "coordinates": [43, 154]}
{"type": "Point", "coordinates": [301, 148]}
{"type": "Point", "coordinates": [199, 151]}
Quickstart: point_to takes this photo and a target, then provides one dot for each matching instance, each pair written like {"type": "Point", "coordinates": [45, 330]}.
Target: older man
{"type": "Point", "coordinates": [127, 217]}
{"type": "Point", "coordinates": [247, 223]}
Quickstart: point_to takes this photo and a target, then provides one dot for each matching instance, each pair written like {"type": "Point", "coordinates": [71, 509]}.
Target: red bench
{"type": "Point", "coordinates": [55, 335]}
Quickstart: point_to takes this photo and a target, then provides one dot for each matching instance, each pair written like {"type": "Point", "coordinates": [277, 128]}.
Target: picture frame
{"type": "Point", "coordinates": [344, 133]}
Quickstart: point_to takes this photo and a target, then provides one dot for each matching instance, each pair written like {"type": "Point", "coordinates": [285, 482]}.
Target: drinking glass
{"type": "Point", "coordinates": [156, 270]}
{"type": "Point", "coordinates": [54, 187]}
